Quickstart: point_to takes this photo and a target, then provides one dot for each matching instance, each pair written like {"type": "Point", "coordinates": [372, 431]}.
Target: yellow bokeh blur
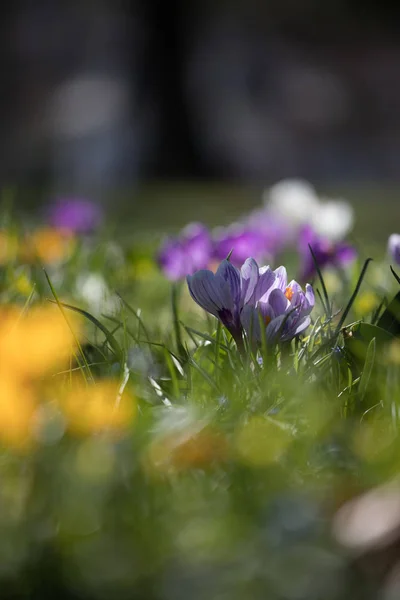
{"type": "Point", "coordinates": [17, 409]}
{"type": "Point", "coordinates": [47, 245]}
{"type": "Point", "coordinates": [365, 303]}
{"type": "Point", "coordinates": [34, 343]}
{"type": "Point", "coordinates": [94, 408]}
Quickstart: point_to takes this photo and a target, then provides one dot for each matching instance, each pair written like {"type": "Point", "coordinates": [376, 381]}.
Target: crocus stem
{"type": "Point", "coordinates": [175, 292]}
{"type": "Point", "coordinates": [239, 343]}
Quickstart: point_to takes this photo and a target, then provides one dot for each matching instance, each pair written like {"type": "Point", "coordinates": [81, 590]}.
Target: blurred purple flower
{"type": "Point", "coordinates": [188, 253]}
{"type": "Point", "coordinates": [394, 247]}
{"type": "Point", "coordinates": [242, 241]}
{"type": "Point", "coordinates": [285, 310]}
{"type": "Point", "coordinates": [75, 215]}
{"type": "Point", "coordinates": [275, 231]}
{"type": "Point", "coordinates": [337, 254]}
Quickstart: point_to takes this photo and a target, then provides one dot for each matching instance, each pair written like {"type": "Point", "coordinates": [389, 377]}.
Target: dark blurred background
{"type": "Point", "coordinates": [103, 93]}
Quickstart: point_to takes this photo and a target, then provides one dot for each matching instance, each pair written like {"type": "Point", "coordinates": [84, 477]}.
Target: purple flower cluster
{"type": "Point", "coordinates": [184, 255]}
{"type": "Point", "coordinates": [196, 248]}
{"type": "Point", "coordinates": [75, 215]}
{"type": "Point", "coordinates": [292, 217]}
{"type": "Point", "coordinates": [242, 299]}
{"type": "Point", "coordinates": [326, 252]}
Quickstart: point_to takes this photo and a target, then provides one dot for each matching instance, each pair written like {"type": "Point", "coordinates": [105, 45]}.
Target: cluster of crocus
{"type": "Point", "coordinates": [251, 298]}
{"type": "Point", "coordinates": [292, 217]}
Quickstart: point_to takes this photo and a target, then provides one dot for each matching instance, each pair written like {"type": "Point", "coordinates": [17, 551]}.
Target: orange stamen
{"type": "Point", "coordinates": [289, 293]}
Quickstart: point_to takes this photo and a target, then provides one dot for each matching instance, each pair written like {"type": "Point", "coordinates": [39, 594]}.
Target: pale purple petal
{"type": "Point", "coordinates": [394, 247]}
{"type": "Point", "coordinates": [266, 282]}
{"type": "Point", "coordinates": [302, 325]}
{"type": "Point", "coordinates": [278, 302]}
{"type": "Point", "coordinates": [249, 276]}
{"type": "Point", "coordinates": [281, 276]}
{"type": "Point", "coordinates": [310, 296]}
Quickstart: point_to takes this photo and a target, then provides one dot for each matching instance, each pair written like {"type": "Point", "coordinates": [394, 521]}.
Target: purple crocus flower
{"type": "Point", "coordinates": [75, 215]}
{"type": "Point", "coordinates": [327, 252]}
{"type": "Point", "coordinates": [394, 247]}
{"type": "Point", "coordinates": [242, 241]}
{"type": "Point", "coordinates": [188, 253]}
{"type": "Point", "coordinates": [284, 308]}
{"type": "Point", "coordinates": [225, 293]}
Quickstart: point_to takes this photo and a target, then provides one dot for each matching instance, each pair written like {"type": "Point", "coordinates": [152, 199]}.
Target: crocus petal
{"type": "Point", "coordinates": [210, 292]}
{"type": "Point", "coordinates": [230, 274]}
{"type": "Point", "coordinates": [394, 247]}
{"type": "Point", "coordinates": [249, 275]}
{"type": "Point", "coordinates": [294, 329]}
{"type": "Point", "coordinates": [274, 328]}
{"type": "Point", "coordinates": [250, 320]}
{"type": "Point", "coordinates": [266, 282]}
{"type": "Point", "coordinates": [278, 302]}
{"type": "Point", "coordinates": [310, 296]}
{"type": "Point", "coordinates": [281, 276]}
{"type": "Point", "coordinates": [304, 323]}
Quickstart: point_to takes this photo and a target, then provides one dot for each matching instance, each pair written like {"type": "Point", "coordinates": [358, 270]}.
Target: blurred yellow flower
{"type": "Point", "coordinates": [47, 245]}
{"type": "Point", "coordinates": [17, 409]}
{"type": "Point", "coordinates": [94, 408]}
{"type": "Point", "coordinates": [144, 268]}
{"type": "Point", "coordinates": [365, 303]}
{"type": "Point", "coordinates": [32, 344]}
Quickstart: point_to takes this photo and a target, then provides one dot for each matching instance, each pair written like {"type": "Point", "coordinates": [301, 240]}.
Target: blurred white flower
{"type": "Point", "coordinates": [95, 292]}
{"type": "Point", "coordinates": [333, 219]}
{"type": "Point", "coordinates": [297, 202]}
{"type": "Point", "coordinates": [292, 199]}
